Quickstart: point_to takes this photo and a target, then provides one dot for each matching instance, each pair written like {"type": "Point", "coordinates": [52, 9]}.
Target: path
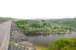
{"type": "Point", "coordinates": [5, 35]}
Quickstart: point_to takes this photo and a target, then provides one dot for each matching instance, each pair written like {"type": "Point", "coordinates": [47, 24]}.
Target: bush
{"type": "Point", "coordinates": [63, 44]}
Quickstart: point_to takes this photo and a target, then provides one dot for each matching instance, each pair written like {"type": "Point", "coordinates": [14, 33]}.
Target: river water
{"type": "Point", "coordinates": [49, 38]}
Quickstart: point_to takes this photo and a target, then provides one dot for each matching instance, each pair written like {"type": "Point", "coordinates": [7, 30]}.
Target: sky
{"type": "Point", "coordinates": [38, 9]}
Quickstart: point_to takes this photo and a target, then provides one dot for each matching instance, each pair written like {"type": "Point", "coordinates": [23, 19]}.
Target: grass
{"type": "Point", "coordinates": [39, 47]}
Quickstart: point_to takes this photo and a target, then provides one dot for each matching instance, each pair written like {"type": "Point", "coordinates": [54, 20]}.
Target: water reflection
{"type": "Point", "coordinates": [49, 38]}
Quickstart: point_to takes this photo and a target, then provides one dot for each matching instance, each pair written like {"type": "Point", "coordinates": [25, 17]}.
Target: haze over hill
{"type": "Point", "coordinates": [45, 17]}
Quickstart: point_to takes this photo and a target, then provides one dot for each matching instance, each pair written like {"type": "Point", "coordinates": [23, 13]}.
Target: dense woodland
{"type": "Point", "coordinates": [49, 26]}
{"type": "Point", "coordinates": [33, 27]}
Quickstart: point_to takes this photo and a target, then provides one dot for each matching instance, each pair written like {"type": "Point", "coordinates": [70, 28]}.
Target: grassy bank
{"type": "Point", "coordinates": [39, 47]}
{"type": "Point", "coordinates": [63, 44]}
{"type": "Point", "coordinates": [60, 44]}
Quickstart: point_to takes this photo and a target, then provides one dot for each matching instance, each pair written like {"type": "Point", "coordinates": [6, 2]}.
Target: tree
{"type": "Point", "coordinates": [63, 44]}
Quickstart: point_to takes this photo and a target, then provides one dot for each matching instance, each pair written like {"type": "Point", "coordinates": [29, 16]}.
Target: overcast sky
{"type": "Point", "coordinates": [32, 9]}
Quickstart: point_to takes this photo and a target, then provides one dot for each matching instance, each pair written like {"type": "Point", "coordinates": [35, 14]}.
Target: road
{"type": "Point", "coordinates": [5, 35]}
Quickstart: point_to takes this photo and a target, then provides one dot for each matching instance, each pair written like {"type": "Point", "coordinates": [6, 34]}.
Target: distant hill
{"type": "Point", "coordinates": [2, 19]}
{"type": "Point", "coordinates": [47, 26]}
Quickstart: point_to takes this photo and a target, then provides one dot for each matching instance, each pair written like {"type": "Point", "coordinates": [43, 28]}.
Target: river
{"type": "Point", "coordinates": [40, 39]}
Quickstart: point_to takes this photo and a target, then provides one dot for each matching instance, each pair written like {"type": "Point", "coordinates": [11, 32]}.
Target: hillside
{"type": "Point", "coordinates": [3, 19]}
{"type": "Point", "coordinates": [47, 26]}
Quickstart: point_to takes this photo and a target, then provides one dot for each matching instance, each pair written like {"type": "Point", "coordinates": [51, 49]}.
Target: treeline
{"type": "Point", "coordinates": [37, 27]}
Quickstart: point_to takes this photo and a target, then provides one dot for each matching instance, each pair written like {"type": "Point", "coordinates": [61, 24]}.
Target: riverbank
{"type": "Point", "coordinates": [40, 47]}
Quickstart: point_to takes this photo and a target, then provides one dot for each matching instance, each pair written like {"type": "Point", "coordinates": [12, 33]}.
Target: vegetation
{"type": "Point", "coordinates": [35, 27]}
{"type": "Point", "coordinates": [63, 44]}
{"type": "Point", "coordinates": [39, 47]}
{"type": "Point", "coordinates": [44, 27]}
